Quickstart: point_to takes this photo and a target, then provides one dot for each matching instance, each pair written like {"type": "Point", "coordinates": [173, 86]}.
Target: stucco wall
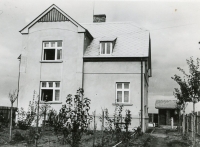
{"type": "Point", "coordinates": [69, 72]}
{"type": "Point", "coordinates": [100, 85]}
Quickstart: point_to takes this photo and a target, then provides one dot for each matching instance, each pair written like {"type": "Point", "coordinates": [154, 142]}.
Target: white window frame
{"type": "Point", "coordinates": [54, 88]}
{"type": "Point", "coordinates": [123, 92]}
{"type": "Point", "coordinates": [56, 48]}
{"type": "Point", "coordinates": [111, 48]}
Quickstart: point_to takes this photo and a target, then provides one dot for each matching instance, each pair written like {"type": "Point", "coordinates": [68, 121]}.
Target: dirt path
{"type": "Point", "coordinates": [158, 138]}
{"type": "Point", "coordinates": [158, 142]}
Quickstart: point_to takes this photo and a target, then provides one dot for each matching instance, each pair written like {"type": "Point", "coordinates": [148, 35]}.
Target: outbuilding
{"type": "Point", "coordinates": [167, 111]}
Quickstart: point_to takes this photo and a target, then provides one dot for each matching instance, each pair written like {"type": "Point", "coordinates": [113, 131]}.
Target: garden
{"type": "Point", "coordinates": [41, 125]}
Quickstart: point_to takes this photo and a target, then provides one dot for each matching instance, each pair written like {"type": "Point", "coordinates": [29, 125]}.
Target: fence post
{"type": "Point", "coordinates": [196, 123]}
{"type": "Point", "coordinates": [94, 131]}
{"type": "Point", "coordinates": [192, 128]}
{"type": "Point", "coordinates": [187, 123]}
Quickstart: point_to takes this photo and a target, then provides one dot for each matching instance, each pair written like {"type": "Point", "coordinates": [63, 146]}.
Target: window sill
{"type": "Point", "coordinates": [51, 102]}
{"type": "Point", "coordinates": [106, 55]}
{"type": "Point", "coordinates": [51, 61]}
{"type": "Point", "coordinates": [124, 104]}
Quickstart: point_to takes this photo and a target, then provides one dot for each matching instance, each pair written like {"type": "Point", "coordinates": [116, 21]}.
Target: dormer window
{"type": "Point", "coordinates": [106, 48]}
{"type": "Point", "coordinates": [107, 45]}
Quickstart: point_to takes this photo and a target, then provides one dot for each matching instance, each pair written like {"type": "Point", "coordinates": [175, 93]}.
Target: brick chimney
{"type": "Point", "coordinates": [99, 18]}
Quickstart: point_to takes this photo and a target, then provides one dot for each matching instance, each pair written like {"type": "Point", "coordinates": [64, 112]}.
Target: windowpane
{"type": "Point", "coordinates": [44, 84]}
{"type": "Point", "coordinates": [108, 48]}
{"type": "Point", "coordinates": [59, 54]}
{"type": "Point", "coordinates": [49, 54]}
{"type": "Point", "coordinates": [119, 86]}
{"type": "Point", "coordinates": [50, 84]}
{"type": "Point", "coordinates": [126, 96]}
{"type": "Point", "coordinates": [46, 44]}
{"type": "Point", "coordinates": [59, 44]}
{"type": "Point", "coordinates": [47, 94]}
{"type": "Point", "coordinates": [102, 48]}
{"type": "Point", "coordinates": [126, 85]}
{"type": "Point", "coordinates": [57, 95]}
{"type": "Point", "coordinates": [52, 44]}
{"type": "Point", "coordinates": [119, 96]}
{"type": "Point", "coordinates": [57, 84]}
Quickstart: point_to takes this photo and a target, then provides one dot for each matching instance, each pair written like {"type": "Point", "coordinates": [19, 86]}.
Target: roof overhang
{"type": "Point", "coordinates": [113, 59]}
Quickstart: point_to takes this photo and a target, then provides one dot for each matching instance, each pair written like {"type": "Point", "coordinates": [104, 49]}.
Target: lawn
{"type": "Point", "coordinates": [48, 138]}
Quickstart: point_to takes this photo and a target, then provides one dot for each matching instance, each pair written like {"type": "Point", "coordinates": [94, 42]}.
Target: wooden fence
{"type": "Point", "coordinates": [189, 119]}
{"type": "Point", "coordinates": [5, 113]}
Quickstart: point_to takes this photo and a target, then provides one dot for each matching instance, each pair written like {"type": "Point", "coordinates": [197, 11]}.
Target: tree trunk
{"type": "Point", "coordinates": [102, 128]}
{"type": "Point", "coordinates": [10, 137]}
{"type": "Point", "coordinates": [179, 128]}
{"type": "Point", "coordinates": [38, 108]}
{"type": "Point", "coordinates": [183, 123]}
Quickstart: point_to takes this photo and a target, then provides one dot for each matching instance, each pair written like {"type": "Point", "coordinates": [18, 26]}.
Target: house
{"type": "Point", "coordinates": [110, 61]}
{"type": "Point", "coordinates": [167, 109]}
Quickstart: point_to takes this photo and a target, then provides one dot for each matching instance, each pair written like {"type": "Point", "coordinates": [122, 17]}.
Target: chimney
{"type": "Point", "coordinates": [99, 18]}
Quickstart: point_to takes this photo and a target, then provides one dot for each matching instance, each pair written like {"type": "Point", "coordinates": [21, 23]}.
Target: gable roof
{"type": "Point", "coordinates": [131, 40]}
{"type": "Point", "coordinates": [53, 14]}
{"type": "Point", "coordinates": [166, 104]}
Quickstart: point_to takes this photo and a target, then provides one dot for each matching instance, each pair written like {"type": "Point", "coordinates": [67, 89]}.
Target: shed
{"type": "Point", "coordinates": [167, 109]}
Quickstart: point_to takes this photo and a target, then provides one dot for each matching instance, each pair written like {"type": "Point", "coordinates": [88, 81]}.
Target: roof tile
{"type": "Point", "coordinates": [131, 40]}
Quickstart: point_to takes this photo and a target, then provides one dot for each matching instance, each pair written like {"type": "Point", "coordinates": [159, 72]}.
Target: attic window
{"type": "Point", "coordinates": [106, 48]}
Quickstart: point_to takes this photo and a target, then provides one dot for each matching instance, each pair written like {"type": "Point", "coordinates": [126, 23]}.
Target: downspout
{"type": "Point", "coordinates": [141, 94]}
{"type": "Point", "coordinates": [18, 79]}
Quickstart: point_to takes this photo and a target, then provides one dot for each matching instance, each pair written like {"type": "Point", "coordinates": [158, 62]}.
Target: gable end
{"type": "Point", "coordinates": [52, 16]}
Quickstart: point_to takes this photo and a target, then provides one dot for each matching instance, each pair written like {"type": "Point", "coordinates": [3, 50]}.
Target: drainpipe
{"type": "Point", "coordinates": [142, 94]}
{"type": "Point", "coordinates": [18, 78]}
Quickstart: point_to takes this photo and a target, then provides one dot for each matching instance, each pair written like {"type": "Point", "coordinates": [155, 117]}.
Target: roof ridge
{"type": "Point", "coordinates": [125, 22]}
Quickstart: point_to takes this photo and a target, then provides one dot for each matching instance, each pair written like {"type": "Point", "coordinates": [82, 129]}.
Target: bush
{"type": "Point", "coordinates": [23, 125]}
{"type": "Point", "coordinates": [73, 118]}
{"type": "Point", "coordinates": [18, 136]}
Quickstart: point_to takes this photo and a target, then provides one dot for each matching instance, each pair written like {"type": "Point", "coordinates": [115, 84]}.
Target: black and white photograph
{"type": "Point", "coordinates": [99, 73]}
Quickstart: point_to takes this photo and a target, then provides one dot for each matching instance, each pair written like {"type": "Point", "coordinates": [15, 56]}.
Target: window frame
{"type": "Point", "coordinates": [123, 90]}
{"type": "Point", "coordinates": [54, 88]}
{"type": "Point", "coordinates": [56, 48]}
{"type": "Point", "coordinates": [111, 47]}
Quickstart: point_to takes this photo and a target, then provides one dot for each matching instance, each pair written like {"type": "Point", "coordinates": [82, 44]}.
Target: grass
{"type": "Point", "coordinates": [48, 138]}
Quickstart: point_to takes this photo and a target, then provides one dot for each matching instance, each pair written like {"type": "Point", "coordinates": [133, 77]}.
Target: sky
{"type": "Point", "coordinates": [174, 29]}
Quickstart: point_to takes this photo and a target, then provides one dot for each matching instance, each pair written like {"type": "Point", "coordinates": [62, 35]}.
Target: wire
{"type": "Point", "coordinates": [173, 27]}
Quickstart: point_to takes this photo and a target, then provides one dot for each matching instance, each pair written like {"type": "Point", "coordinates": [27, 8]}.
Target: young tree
{"type": "Point", "coordinates": [189, 87]}
{"type": "Point", "coordinates": [73, 118]}
{"type": "Point", "coordinates": [13, 96]}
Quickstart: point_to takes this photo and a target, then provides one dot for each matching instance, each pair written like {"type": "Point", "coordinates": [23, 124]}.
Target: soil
{"type": "Point", "coordinates": [156, 137]}
{"type": "Point", "coordinates": [167, 138]}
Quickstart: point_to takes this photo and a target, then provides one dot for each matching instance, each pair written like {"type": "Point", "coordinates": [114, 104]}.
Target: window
{"type": "Point", "coordinates": [122, 92]}
{"type": "Point", "coordinates": [52, 50]}
{"type": "Point", "coordinates": [105, 48]}
{"type": "Point", "coordinates": [50, 91]}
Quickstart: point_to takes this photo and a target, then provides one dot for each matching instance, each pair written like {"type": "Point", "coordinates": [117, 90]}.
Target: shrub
{"type": "Point", "coordinates": [73, 118]}
{"type": "Point", "coordinates": [23, 125]}
{"type": "Point", "coordinates": [18, 136]}
{"type": "Point", "coordinates": [114, 127]}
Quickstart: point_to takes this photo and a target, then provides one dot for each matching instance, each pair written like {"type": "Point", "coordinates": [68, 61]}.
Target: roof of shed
{"type": "Point", "coordinates": [132, 41]}
{"type": "Point", "coordinates": [165, 104]}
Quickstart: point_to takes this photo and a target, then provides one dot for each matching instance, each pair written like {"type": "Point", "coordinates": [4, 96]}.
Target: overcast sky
{"type": "Point", "coordinates": [174, 28]}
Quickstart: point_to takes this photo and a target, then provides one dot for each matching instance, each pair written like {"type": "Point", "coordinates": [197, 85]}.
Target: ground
{"type": "Point", "coordinates": [155, 137]}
